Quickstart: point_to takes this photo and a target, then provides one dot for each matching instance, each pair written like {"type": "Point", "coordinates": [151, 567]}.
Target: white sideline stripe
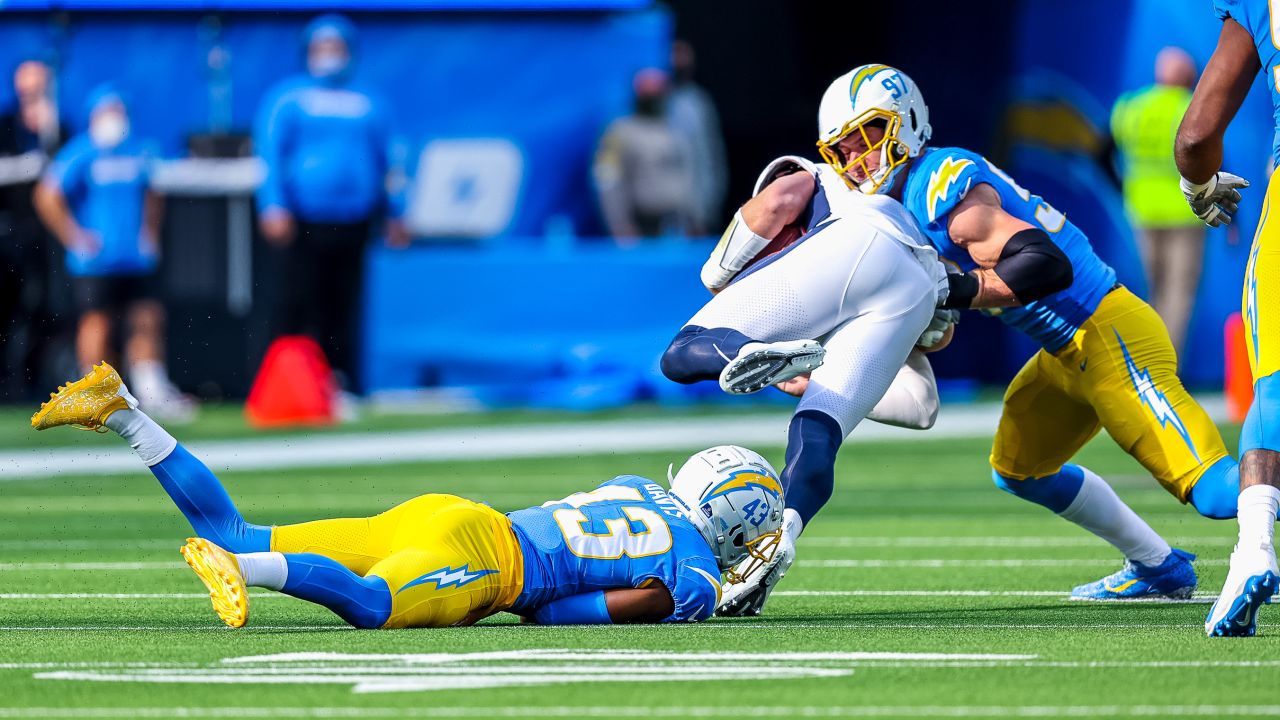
{"type": "Point", "coordinates": [622, 629]}
{"type": "Point", "coordinates": [976, 563]}
{"type": "Point", "coordinates": [480, 443]}
{"type": "Point", "coordinates": [997, 541]}
{"type": "Point", "coordinates": [81, 566]}
{"type": "Point", "coordinates": [630, 711]}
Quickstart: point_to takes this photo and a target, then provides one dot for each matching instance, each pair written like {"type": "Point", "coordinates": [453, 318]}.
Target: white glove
{"type": "Point", "coordinates": [942, 321]}
{"type": "Point", "coordinates": [748, 598]}
{"type": "Point", "coordinates": [1215, 201]}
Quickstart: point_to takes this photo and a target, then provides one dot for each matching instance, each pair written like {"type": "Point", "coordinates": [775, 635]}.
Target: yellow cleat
{"type": "Point", "coordinates": [219, 572]}
{"type": "Point", "coordinates": [87, 402]}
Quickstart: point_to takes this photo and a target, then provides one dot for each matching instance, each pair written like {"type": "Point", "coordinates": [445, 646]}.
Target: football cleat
{"type": "Point", "coordinates": [220, 573]}
{"type": "Point", "coordinates": [760, 365]}
{"type": "Point", "coordinates": [1174, 578]}
{"type": "Point", "coordinates": [1251, 582]}
{"type": "Point", "coordinates": [87, 402]}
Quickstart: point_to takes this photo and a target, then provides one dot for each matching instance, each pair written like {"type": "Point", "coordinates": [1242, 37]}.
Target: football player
{"type": "Point", "coordinates": [628, 551]}
{"type": "Point", "coordinates": [1105, 359]}
{"type": "Point", "coordinates": [834, 315]}
{"type": "Point", "coordinates": [1246, 45]}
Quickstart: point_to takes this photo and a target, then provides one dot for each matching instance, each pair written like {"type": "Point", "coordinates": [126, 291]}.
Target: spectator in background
{"type": "Point", "coordinates": [326, 146]}
{"type": "Point", "coordinates": [1144, 123]}
{"type": "Point", "coordinates": [95, 199]}
{"type": "Point", "coordinates": [693, 116]}
{"type": "Point", "coordinates": [643, 172]}
{"type": "Point", "coordinates": [30, 134]}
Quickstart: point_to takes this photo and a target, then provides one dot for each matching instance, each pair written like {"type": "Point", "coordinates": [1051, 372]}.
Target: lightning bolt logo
{"type": "Point", "coordinates": [1153, 398]}
{"type": "Point", "coordinates": [1251, 295]}
{"type": "Point", "coordinates": [745, 480]}
{"type": "Point", "coordinates": [942, 179]}
{"type": "Point", "coordinates": [447, 577]}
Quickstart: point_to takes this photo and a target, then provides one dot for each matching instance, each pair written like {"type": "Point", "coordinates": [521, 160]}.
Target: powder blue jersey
{"type": "Point", "coordinates": [939, 180]}
{"type": "Point", "coordinates": [105, 190]}
{"type": "Point", "coordinates": [627, 533]}
{"type": "Point", "coordinates": [1255, 16]}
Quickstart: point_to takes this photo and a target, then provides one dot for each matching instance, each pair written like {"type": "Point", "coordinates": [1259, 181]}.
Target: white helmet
{"type": "Point", "coordinates": [734, 498]}
{"type": "Point", "coordinates": [864, 95]}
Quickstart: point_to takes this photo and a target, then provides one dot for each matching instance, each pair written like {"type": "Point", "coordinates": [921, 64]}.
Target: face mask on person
{"type": "Point", "coordinates": [327, 65]}
{"type": "Point", "coordinates": [108, 129]}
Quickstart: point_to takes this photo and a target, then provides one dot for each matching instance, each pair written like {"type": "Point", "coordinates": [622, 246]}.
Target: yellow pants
{"type": "Point", "coordinates": [1119, 372]}
{"type": "Point", "coordinates": [1261, 302]}
{"type": "Point", "coordinates": [447, 560]}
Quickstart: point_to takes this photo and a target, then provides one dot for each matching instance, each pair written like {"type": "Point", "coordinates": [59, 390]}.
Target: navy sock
{"type": "Point", "coordinates": [698, 354]}
{"type": "Point", "coordinates": [364, 602]}
{"type": "Point", "coordinates": [205, 503]}
{"type": "Point", "coordinates": [809, 477]}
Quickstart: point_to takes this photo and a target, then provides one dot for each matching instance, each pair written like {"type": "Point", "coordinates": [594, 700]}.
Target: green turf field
{"type": "Point", "coordinates": [920, 592]}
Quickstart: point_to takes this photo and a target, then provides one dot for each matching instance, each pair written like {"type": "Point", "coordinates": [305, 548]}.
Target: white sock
{"type": "Point", "coordinates": [1256, 513]}
{"type": "Point", "coordinates": [1100, 511]}
{"type": "Point", "coordinates": [152, 442]}
{"type": "Point", "coordinates": [263, 569]}
{"type": "Point", "coordinates": [792, 524]}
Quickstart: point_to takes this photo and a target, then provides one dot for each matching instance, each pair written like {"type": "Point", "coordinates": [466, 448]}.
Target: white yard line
{"type": "Point", "coordinates": [480, 443]}
{"type": "Point", "coordinates": [996, 541]}
{"type": "Point", "coordinates": [632, 711]}
{"type": "Point", "coordinates": [935, 563]}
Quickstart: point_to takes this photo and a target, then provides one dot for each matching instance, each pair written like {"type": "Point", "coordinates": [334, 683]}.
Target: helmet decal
{"type": "Point", "coordinates": [860, 77]}
{"type": "Point", "coordinates": [745, 480]}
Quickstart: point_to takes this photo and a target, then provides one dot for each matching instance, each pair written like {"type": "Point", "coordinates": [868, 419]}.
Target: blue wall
{"type": "Point", "coordinates": [547, 83]}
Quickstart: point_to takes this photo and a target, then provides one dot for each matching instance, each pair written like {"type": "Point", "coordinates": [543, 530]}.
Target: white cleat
{"type": "Point", "coordinates": [760, 365]}
{"type": "Point", "coordinates": [1251, 582]}
{"type": "Point", "coordinates": [747, 598]}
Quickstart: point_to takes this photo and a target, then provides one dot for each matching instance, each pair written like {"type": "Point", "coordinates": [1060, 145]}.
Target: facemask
{"type": "Point", "coordinates": [108, 130]}
{"type": "Point", "coordinates": [326, 66]}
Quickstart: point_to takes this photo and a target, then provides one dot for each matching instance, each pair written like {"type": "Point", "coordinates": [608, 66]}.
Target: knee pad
{"type": "Point", "coordinates": [1214, 494]}
{"type": "Point", "coordinates": [808, 479]}
{"type": "Point", "coordinates": [1054, 491]}
{"type": "Point", "coordinates": [1261, 429]}
{"type": "Point", "coordinates": [699, 353]}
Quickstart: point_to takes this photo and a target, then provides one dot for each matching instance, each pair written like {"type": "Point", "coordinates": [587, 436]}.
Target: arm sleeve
{"type": "Point", "coordinates": [268, 140]}
{"type": "Point", "coordinates": [584, 609]}
{"type": "Point", "coordinates": [696, 592]}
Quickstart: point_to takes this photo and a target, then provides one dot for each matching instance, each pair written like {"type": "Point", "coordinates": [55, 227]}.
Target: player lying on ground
{"type": "Point", "coordinates": [628, 551]}
{"type": "Point", "coordinates": [846, 302]}
{"type": "Point", "coordinates": [1105, 359]}
{"type": "Point", "coordinates": [1247, 44]}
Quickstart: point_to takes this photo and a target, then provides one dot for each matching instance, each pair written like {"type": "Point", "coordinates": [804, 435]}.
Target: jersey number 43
{"type": "Point", "coordinates": [601, 509]}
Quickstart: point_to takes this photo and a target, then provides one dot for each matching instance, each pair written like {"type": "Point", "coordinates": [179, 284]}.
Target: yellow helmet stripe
{"type": "Point", "coordinates": [861, 77]}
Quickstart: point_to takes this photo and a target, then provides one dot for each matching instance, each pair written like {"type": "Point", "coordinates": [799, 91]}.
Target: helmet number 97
{"type": "Point", "coordinates": [895, 85]}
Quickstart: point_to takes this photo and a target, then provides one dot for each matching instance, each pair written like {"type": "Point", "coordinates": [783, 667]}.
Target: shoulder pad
{"type": "Point", "coordinates": [784, 165]}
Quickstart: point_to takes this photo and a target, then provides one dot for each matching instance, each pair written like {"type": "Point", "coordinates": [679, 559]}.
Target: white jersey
{"type": "Point", "coordinates": [863, 280]}
{"type": "Point", "coordinates": [881, 212]}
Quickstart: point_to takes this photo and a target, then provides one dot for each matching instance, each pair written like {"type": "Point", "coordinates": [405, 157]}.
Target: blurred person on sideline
{"type": "Point", "coordinates": [326, 147]}
{"type": "Point", "coordinates": [1144, 123]}
{"type": "Point", "coordinates": [31, 132]}
{"type": "Point", "coordinates": [643, 171]}
{"type": "Point", "coordinates": [693, 116]}
{"type": "Point", "coordinates": [95, 199]}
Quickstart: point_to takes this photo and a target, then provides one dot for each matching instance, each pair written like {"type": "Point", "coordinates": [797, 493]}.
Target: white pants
{"type": "Point", "coordinates": [859, 291]}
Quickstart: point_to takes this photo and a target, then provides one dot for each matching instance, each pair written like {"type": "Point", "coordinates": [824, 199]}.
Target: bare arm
{"type": "Point", "coordinates": [152, 214]}
{"type": "Point", "coordinates": [779, 204]}
{"type": "Point", "coordinates": [51, 206]}
{"type": "Point", "coordinates": [981, 226]}
{"type": "Point", "coordinates": [1219, 94]}
{"type": "Point", "coordinates": [639, 605]}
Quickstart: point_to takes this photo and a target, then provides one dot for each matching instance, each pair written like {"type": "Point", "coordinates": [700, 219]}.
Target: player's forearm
{"type": "Point", "coordinates": [993, 292]}
{"type": "Point", "coordinates": [1197, 153]}
{"type": "Point", "coordinates": [1219, 94]}
{"type": "Point", "coordinates": [779, 204]}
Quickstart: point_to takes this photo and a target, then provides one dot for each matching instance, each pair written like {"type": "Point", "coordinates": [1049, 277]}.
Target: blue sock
{"type": "Point", "coordinates": [364, 602]}
{"type": "Point", "coordinates": [697, 353]}
{"type": "Point", "coordinates": [809, 477]}
{"type": "Point", "coordinates": [1055, 491]}
{"type": "Point", "coordinates": [206, 505]}
{"type": "Point", "coordinates": [1214, 494]}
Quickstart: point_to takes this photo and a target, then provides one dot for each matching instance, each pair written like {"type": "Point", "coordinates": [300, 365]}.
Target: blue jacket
{"type": "Point", "coordinates": [326, 150]}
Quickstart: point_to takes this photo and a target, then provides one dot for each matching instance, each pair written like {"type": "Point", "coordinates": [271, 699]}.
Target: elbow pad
{"type": "Point", "coordinates": [1033, 266]}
